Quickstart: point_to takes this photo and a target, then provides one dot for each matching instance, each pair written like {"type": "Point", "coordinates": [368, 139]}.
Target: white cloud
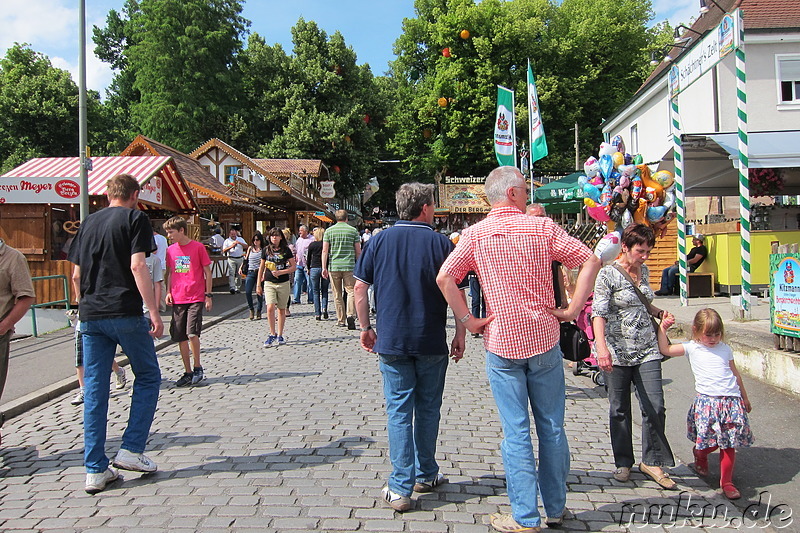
{"type": "Point", "coordinates": [98, 74]}
{"type": "Point", "coordinates": [38, 22]}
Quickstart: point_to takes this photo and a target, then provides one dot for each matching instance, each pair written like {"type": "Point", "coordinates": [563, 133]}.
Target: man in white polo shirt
{"type": "Point", "coordinates": [234, 247]}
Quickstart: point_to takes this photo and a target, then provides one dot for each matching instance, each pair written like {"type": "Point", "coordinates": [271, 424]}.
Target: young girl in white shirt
{"type": "Point", "coordinates": [718, 416]}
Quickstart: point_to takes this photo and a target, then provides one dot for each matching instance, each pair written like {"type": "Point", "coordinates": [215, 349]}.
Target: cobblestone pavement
{"type": "Point", "coordinates": [294, 438]}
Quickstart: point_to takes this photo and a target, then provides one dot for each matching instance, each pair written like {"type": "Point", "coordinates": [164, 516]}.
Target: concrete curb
{"type": "Point", "coordinates": [35, 399]}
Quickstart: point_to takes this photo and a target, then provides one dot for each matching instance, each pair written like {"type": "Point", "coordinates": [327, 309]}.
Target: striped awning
{"type": "Point", "coordinates": [143, 168]}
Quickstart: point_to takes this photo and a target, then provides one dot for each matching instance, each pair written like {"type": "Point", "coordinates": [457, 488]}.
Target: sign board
{"type": "Point", "coordinates": [719, 42]}
{"type": "Point", "coordinates": [230, 218]}
{"type": "Point", "coordinates": [326, 189]}
{"type": "Point", "coordinates": [152, 191]}
{"type": "Point", "coordinates": [463, 198]}
{"type": "Point", "coordinates": [39, 191]}
{"type": "Point", "coordinates": [456, 180]}
{"type": "Point", "coordinates": [784, 294]}
{"type": "Point", "coordinates": [245, 188]}
{"type": "Point", "coordinates": [296, 183]}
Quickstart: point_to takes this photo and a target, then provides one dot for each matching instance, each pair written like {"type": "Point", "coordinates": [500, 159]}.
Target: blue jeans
{"type": "Point", "coordinates": [478, 302]}
{"type": "Point", "coordinates": [538, 380]}
{"type": "Point", "coordinates": [301, 282]}
{"type": "Point", "coordinates": [100, 340]}
{"type": "Point", "coordinates": [319, 291]}
{"type": "Point", "coordinates": [668, 278]}
{"type": "Point", "coordinates": [249, 286]}
{"type": "Point", "coordinates": [413, 387]}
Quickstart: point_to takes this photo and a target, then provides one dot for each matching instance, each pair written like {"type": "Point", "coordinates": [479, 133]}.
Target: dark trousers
{"type": "Point", "coordinates": [478, 302]}
{"type": "Point", "coordinates": [646, 380]}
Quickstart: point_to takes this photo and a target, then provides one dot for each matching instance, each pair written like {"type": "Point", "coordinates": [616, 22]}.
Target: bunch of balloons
{"type": "Point", "coordinates": [619, 187]}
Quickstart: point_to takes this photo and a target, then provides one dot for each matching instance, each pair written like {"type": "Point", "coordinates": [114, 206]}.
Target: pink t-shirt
{"type": "Point", "coordinates": [185, 265]}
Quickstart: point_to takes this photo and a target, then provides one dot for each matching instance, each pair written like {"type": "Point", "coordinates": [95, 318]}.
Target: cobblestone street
{"type": "Point", "coordinates": [294, 438]}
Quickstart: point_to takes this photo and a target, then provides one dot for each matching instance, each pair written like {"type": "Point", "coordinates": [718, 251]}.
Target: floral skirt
{"type": "Point", "coordinates": [718, 421]}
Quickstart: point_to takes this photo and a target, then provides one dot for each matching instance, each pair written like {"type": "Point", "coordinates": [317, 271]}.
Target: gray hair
{"type": "Point", "coordinates": [303, 226]}
{"type": "Point", "coordinates": [411, 197]}
{"type": "Point", "coordinates": [498, 181]}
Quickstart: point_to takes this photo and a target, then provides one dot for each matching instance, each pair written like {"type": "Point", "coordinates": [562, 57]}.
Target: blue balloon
{"type": "Point", "coordinates": [606, 166]}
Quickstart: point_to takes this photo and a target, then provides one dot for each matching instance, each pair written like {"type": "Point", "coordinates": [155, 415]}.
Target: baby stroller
{"type": "Point", "coordinates": [588, 365]}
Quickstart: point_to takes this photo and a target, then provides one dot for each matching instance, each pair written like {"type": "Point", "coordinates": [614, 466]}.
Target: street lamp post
{"type": "Point", "coordinates": [82, 128]}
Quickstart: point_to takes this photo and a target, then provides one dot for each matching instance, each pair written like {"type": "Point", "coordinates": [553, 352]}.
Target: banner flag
{"type": "Point", "coordinates": [536, 129]}
{"type": "Point", "coordinates": [370, 189]}
{"type": "Point", "coordinates": [504, 142]}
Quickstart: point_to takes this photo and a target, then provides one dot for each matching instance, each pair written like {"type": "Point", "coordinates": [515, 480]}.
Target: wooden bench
{"type": "Point", "coordinates": [700, 284]}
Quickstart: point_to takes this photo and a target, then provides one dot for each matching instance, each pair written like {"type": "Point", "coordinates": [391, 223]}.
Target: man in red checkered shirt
{"type": "Point", "coordinates": [511, 253]}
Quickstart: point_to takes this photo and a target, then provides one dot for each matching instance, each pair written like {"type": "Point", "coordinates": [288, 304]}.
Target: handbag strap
{"type": "Point", "coordinates": [627, 276]}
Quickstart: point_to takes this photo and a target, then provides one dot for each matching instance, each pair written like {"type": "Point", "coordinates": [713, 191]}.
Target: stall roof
{"type": "Point", "coordinates": [711, 160]}
{"type": "Point", "coordinates": [104, 168]}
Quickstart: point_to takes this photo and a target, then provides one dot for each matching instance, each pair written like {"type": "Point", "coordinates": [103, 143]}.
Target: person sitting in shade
{"type": "Point", "coordinates": [696, 256]}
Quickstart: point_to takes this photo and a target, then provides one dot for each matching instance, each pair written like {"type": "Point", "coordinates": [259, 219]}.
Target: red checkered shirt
{"type": "Point", "coordinates": [511, 252]}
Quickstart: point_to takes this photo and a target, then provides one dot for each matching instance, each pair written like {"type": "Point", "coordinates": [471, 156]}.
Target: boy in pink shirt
{"type": "Point", "coordinates": [189, 280]}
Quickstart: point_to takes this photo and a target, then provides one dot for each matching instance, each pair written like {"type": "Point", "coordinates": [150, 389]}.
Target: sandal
{"type": "Point", "coordinates": [700, 463]}
{"type": "Point", "coordinates": [731, 492]}
{"type": "Point", "coordinates": [662, 478]}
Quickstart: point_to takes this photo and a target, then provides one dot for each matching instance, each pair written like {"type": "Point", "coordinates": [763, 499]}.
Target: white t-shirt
{"type": "Point", "coordinates": [156, 274]}
{"type": "Point", "coordinates": [711, 367]}
{"type": "Point", "coordinates": [161, 249]}
{"type": "Point", "coordinates": [238, 250]}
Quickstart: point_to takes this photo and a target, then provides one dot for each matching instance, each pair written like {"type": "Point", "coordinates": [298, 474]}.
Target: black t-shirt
{"type": "Point", "coordinates": [314, 255]}
{"type": "Point", "coordinates": [103, 248]}
{"type": "Point", "coordinates": [701, 250]}
{"type": "Point", "coordinates": [281, 261]}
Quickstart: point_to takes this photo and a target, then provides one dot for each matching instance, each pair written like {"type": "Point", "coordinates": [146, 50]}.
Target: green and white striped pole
{"type": "Point", "coordinates": [679, 196]}
{"type": "Point", "coordinates": [744, 179]}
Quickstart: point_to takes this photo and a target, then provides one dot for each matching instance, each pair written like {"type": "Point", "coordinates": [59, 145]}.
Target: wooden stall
{"type": "Point", "coordinates": [41, 206]}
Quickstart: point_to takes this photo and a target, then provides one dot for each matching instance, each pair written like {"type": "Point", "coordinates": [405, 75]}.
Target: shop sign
{"type": "Point", "coordinates": [326, 189]}
{"type": "Point", "coordinates": [784, 294]}
{"type": "Point", "coordinates": [296, 183]}
{"type": "Point", "coordinates": [466, 198]}
{"type": "Point", "coordinates": [455, 180]}
{"type": "Point", "coordinates": [245, 188]}
{"type": "Point", "coordinates": [38, 190]}
{"type": "Point", "coordinates": [230, 218]}
{"type": "Point", "coordinates": [152, 191]}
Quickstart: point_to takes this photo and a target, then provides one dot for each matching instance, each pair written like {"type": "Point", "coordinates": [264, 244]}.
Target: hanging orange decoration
{"type": "Point", "coordinates": [442, 102]}
{"type": "Point", "coordinates": [464, 34]}
{"type": "Point", "coordinates": [347, 139]}
{"type": "Point", "coordinates": [427, 133]}
{"type": "Point", "coordinates": [336, 168]}
{"type": "Point", "coordinates": [446, 52]}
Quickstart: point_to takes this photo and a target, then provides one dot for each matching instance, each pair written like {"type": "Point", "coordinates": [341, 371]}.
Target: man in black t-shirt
{"type": "Point", "coordinates": [109, 254]}
{"type": "Point", "coordinates": [694, 259]}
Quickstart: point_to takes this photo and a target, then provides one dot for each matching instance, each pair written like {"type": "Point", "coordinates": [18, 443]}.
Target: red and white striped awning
{"type": "Point", "coordinates": [143, 168]}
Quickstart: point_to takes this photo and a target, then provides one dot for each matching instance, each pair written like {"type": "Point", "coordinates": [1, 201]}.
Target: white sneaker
{"type": "Point", "coordinates": [97, 482]}
{"type": "Point", "coordinates": [120, 379]}
{"type": "Point", "coordinates": [396, 501]}
{"type": "Point", "coordinates": [137, 462]}
{"type": "Point", "coordinates": [78, 399]}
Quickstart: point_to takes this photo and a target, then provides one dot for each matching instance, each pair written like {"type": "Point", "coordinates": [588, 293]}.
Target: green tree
{"type": "Point", "coordinates": [178, 61]}
{"type": "Point", "coordinates": [331, 110]}
{"type": "Point", "coordinates": [588, 56]}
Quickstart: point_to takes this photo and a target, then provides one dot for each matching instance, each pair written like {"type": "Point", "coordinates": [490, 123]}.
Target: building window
{"type": "Point", "coordinates": [232, 172]}
{"type": "Point", "coordinates": [789, 76]}
{"type": "Point", "coordinates": [634, 148]}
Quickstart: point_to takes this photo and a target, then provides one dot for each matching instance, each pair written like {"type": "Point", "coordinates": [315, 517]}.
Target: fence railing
{"type": "Point", "coordinates": [65, 300]}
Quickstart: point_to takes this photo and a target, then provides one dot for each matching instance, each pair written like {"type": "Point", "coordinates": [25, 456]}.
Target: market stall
{"type": "Point", "coordinates": [41, 198]}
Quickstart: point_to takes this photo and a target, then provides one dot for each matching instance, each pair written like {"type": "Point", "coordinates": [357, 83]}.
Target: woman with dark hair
{"type": "Point", "coordinates": [627, 350]}
{"type": "Point", "coordinates": [277, 265]}
{"type": "Point", "coordinates": [252, 258]}
{"type": "Point", "coordinates": [318, 287]}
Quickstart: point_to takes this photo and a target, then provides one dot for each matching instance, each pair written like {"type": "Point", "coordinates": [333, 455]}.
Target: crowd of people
{"type": "Point", "coordinates": [397, 285]}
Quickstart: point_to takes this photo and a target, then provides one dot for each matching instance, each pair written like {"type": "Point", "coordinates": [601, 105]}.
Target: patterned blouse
{"type": "Point", "coordinates": [630, 336]}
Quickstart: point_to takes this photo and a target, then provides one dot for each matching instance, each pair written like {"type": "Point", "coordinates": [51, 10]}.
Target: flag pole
{"type": "Point", "coordinates": [530, 131]}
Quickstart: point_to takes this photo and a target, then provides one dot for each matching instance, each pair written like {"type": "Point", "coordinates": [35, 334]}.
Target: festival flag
{"type": "Point", "coordinates": [371, 188]}
{"type": "Point", "coordinates": [504, 142]}
{"type": "Point", "coordinates": [536, 129]}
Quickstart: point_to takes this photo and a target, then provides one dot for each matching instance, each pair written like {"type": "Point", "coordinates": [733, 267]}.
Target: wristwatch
{"type": "Point", "coordinates": [366, 328]}
{"type": "Point", "coordinates": [209, 295]}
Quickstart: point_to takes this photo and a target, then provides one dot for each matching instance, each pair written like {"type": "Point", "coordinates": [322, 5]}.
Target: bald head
{"type": "Point", "coordinates": [536, 210]}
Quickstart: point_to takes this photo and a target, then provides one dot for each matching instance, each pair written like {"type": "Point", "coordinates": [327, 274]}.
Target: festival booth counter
{"type": "Point", "coordinates": [41, 206]}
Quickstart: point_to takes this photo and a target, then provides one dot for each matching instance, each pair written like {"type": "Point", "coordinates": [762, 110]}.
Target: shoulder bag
{"type": "Point", "coordinates": [647, 305]}
{"type": "Point", "coordinates": [573, 341]}
{"type": "Point", "coordinates": [246, 264]}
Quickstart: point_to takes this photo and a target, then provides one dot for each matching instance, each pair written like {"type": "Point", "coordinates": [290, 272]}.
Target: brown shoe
{"type": "Point", "coordinates": [252, 314]}
{"type": "Point", "coordinates": [658, 475]}
{"type": "Point", "coordinates": [622, 474]}
{"type": "Point", "coordinates": [258, 315]}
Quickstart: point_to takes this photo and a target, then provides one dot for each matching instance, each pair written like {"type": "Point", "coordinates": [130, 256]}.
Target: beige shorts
{"type": "Point", "coordinates": [277, 294]}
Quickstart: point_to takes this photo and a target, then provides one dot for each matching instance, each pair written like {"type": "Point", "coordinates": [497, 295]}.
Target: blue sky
{"type": "Point", "coordinates": [370, 27]}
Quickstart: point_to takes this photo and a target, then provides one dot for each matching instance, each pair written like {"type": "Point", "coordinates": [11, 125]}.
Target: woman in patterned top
{"type": "Point", "coordinates": [627, 350]}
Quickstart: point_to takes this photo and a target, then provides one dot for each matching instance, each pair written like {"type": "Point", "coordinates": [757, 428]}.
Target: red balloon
{"type": "Point", "coordinates": [446, 52]}
{"type": "Point", "coordinates": [366, 119]}
{"type": "Point", "coordinates": [336, 168]}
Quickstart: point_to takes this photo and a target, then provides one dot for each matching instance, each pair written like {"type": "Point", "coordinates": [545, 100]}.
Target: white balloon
{"type": "Point", "coordinates": [609, 247]}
